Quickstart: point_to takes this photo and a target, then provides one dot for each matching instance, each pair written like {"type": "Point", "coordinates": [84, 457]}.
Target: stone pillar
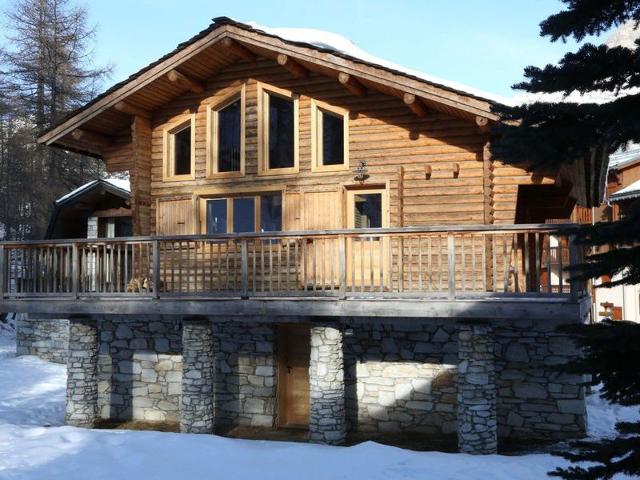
{"type": "Point", "coordinates": [326, 382]}
{"type": "Point", "coordinates": [477, 394]}
{"type": "Point", "coordinates": [82, 373]}
{"type": "Point", "coordinates": [196, 404]}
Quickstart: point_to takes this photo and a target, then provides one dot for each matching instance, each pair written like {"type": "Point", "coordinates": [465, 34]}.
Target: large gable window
{"type": "Point", "coordinates": [330, 137]}
{"type": "Point", "coordinates": [179, 149]}
{"type": "Point", "coordinates": [278, 131]}
{"type": "Point", "coordinates": [226, 136]}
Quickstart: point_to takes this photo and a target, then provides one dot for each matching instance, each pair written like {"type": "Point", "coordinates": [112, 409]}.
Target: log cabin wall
{"type": "Point", "coordinates": [436, 169]}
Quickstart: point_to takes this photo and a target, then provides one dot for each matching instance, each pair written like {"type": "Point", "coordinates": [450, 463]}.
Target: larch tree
{"type": "Point", "coordinates": [555, 131]}
{"type": "Point", "coordinates": [46, 71]}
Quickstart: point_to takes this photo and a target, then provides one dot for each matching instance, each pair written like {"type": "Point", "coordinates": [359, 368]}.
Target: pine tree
{"type": "Point", "coordinates": [46, 71]}
{"type": "Point", "coordinates": [553, 133]}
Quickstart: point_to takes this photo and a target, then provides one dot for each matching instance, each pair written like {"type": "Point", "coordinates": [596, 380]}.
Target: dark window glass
{"type": "Point", "coordinates": [244, 214]}
{"type": "Point", "coordinates": [368, 210]}
{"type": "Point", "coordinates": [281, 123]}
{"type": "Point", "coordinates": [229, 138]}
{"type": "Point", "coordinates": [217, 216]}
{"type": "Point", "coordinates": [332, 139]}
{"type": "Point", "coordinates": [182, 152]}
{"type": "Point", "coordinates": [271, 213]}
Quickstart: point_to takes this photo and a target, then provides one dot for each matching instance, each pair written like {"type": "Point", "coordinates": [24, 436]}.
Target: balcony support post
{"type": "Point", "coordinates": [244, 268]}
{"type": "Point", "coordinates": [451, 259]}
{"type": "Point", "coordinates": [342, 266]}
{"type": "Point", "coordinates": [3, 270]}
{"type": "Point", "coordinates": [575, 258]}
{"type": "Point", "coordinates": [156, 269]}
{"type": "Point", "coordinates": [75, 270]}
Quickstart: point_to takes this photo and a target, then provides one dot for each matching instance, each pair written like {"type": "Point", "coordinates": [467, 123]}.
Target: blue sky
{"type": "Point", "coordinates": [484, 44]}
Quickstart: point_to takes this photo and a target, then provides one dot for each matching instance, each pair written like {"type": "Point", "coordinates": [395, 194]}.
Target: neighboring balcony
{"type": "Point", "coordinates": [468, 271]}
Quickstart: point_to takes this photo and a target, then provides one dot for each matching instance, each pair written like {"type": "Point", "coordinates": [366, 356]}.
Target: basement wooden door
{"type": "Point", "coordinates": [293, 376]}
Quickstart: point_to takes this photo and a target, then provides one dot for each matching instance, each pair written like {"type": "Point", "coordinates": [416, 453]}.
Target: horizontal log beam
{"type": "Point", "coordinates": [415, 104]}
{"type": "Point", "coordinates": [112, 212]}
{"type": "Point", "coordinates": [352, 84]}
{"type": "Point", "coordinates": [132, 110]}
{"type": "Point", "coordinates": [293, 67]}
{"type": "Point", "coordinates": [182, 80]}
{"type": "Point", "coordinates": [92, 138]}
{"type": "Point", "coordinates": [238, 49]}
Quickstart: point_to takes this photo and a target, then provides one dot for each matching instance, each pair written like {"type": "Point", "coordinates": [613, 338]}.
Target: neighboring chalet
{"type": "Point", "coordinates": [98, 209]}
{"type": "Point", "coordinates": [321, 242]}
{"type": "Point", "coordinates": [623, 188]}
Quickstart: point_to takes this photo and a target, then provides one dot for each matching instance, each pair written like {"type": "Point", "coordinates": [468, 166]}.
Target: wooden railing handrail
{"type": "Point", "coordinates": [353, 232]}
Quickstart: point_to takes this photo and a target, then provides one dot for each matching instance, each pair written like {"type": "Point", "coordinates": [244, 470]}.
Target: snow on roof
{"type": "Point", "coordinates": [630, 191]}
{"type": "Point", "coordinates": [121, 183]}
{"type": "Point", "coordinates": [624, 158]}
{"type": "Point", "coordinates": [340, 44]}
{"type": "Point", "coordinates": [624, 36]}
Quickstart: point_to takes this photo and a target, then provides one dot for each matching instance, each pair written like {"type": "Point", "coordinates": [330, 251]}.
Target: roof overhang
{"type": "Point", "coordinates": [90, 129]}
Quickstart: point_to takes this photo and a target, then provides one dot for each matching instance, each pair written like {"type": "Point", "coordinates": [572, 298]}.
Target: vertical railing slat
{"type": "Point", "coordinates": [451, 259]}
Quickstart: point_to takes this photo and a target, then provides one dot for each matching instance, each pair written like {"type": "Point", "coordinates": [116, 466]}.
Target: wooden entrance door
{"type": "Point", "coordinates": [293, 375]}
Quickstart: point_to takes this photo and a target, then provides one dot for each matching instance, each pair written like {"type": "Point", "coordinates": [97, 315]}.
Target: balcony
{"type": "Point", "coordinates": [464, 271]}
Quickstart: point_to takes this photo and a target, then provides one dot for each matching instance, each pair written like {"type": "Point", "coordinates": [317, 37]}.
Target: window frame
{"type": "Point", "coordinates": [212, 134]}
{"type": "Point", "coordinates": [317, 110]}
{"type": "Point", "coordinates": [168, 150]}
{"type": "Point", "coordinates": [352, 192]}
{"type": "Point", "coordinates": [264, 91]}
{"type": "Point", "coordinates": [229, 197]}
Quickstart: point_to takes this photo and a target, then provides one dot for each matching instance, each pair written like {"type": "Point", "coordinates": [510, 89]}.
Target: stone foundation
{"type": "Point", "coordinates": [45, 338]}
{"type": "Point", "coordinates": [245, 374]}
{"type": "Point", "coordinates": [399, 375]}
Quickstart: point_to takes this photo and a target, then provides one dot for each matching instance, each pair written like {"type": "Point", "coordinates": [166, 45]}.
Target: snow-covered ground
{"type": "Point", "coordinates": [35, 446]}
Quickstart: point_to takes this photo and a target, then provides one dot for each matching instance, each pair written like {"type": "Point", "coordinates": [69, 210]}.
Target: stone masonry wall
{"type": "Point", "coordinates": [401, 376]}
{"type": "Point", "coordinates": [140, 369]}
{"type": "Point", "coordinates": [535, 400]}
{"type": "Point", "coordinates": [45, 338]}
{"type": "Point", "coordinates": [245, 374]}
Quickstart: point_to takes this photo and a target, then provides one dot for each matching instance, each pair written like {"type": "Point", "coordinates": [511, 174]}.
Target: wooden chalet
{"type": "Point", "coordinates": [288, 182]}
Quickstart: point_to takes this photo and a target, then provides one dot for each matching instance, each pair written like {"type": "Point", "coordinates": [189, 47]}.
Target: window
{"type": "Point", "coordinates": [217, 216]}
{"type": "Point", "coordinates": [226, 137]}
{"type": "Point", "coordinates": [278, 131]}
{"type": "Point", "coordinates": [244, 214]}
{"type": "Point", "coordinates": [271, 213]}
{"type": "Point", "coordinates": [330, 137]}
{"type": "Point", "coordinates": [179, 151]}
{"type": "Point", "coordinates": [367, 210]}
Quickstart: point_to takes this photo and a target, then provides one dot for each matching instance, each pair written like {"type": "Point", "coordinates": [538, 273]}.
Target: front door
{"type": "Point", "coordinates": [293, 376]}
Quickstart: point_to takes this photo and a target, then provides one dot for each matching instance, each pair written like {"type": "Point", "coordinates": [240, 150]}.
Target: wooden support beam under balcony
{"type": "Point", "coordinates": [352, 84]}
{"type": "Point", "coordinates": [238, 49]}
{"type": "Point", "coordinates": [293, 67]}
{"type": "Point", "coordinates": [185, 82]}
{"type": "Point", "coordinates": [415, 104]}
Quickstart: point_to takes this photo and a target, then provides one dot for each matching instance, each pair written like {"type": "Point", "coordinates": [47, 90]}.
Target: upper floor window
{"type": "Point", "coordinates": [330, 137]}
{"type": "Point", "coordinates": [225, 137]}
{"type": "Point", "coordinates": [278, 152]}
{"type": "Point", "coordinates": [179, 149]}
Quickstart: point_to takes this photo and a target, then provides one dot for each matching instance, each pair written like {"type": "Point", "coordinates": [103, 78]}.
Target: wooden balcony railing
{"type": "Point", "coordinates": [518, 260]}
